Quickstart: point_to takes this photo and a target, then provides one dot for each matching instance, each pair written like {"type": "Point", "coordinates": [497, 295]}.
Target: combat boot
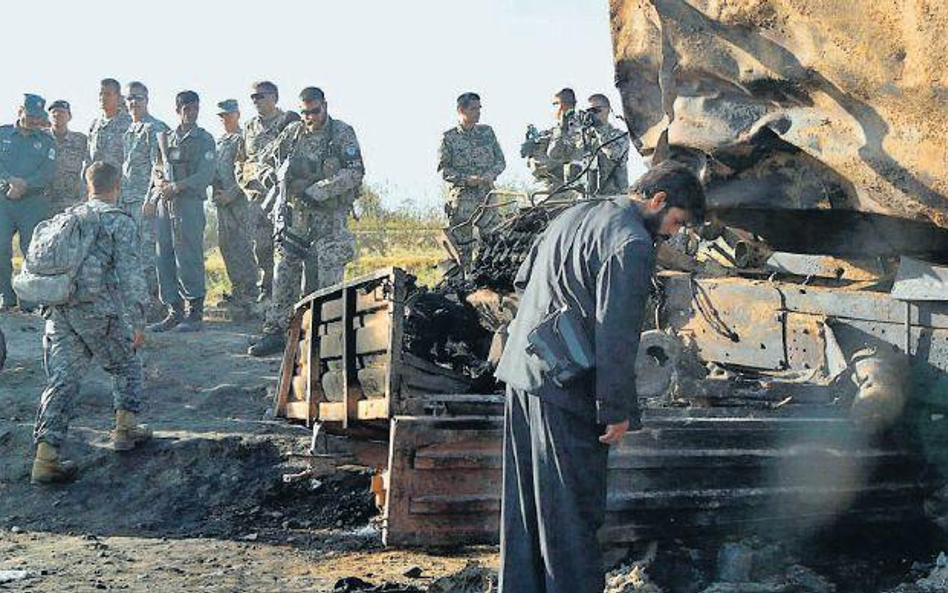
{"type": "Point", "coordinates": [48, 468]}
{"type": "Point", "coordinates": [195, 318]}
{"type": "Point", "coordinates": [174, 317]}
{"type": "Point", "coordinates": [127, 434]}
{"type": "Point", "coordinates": [267, 345]}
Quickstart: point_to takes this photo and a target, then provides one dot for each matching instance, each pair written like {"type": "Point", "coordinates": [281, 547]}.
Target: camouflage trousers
{"type": "Point", "coordinates": [464, 216]}
{"type": "Point", "coordinates": [324, 265]}
{"type": "Point", "coordinates": [146, 235]}
{"type": "Point", "coordinates": [233, 236]}
{"type": "Point", "coordinates": [74, 338]}
{"type": "Point", "coordinates": [261, 235]}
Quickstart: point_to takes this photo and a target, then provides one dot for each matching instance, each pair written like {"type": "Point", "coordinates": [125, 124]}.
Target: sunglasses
{"type": "Point", "coordinates": [136, 97]}
{"type": "Point", "coordinates": [258, 96]}
{"type": "Point", "coordinates": [315, 111]}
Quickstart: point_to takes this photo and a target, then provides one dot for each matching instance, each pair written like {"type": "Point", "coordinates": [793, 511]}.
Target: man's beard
{"type": "Point", "coordinates": [653, 222]}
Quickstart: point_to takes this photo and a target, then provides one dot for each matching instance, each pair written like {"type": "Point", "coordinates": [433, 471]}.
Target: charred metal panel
{"type": "Point", "coordinates": [804, 105]}
{"type": "Point", "coordinates": [781, 317]}
{"type": "Point", "coordinates": [731, 321]}
{"type": "Point", "coordinates": [686, 472]}
{"type": "Point", "coordinates": [444, 481]}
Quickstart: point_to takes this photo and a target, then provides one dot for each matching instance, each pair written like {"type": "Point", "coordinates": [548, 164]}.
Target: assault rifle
{"type": "Point", "coordinates": [278, 198]}
{"type": "Point", "coordinates": [167, 173]}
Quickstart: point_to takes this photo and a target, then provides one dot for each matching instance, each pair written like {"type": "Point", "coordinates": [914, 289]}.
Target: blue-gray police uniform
{"type": "Point", "coordinates": [95, 325]}
{"type": "Point", "coordinates": [596, 258]}
{"type": "Point", "coordinates": [179, 222]}
{"type": "Point", "coordinates": [29, 155]}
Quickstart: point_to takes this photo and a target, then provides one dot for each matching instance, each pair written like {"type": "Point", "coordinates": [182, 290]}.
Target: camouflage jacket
{"type": "Point", "coordinates": [258, 134]}
{"type": "Point", "coordinates": [225, 178]}
{"type": "Point", "coordinates": [140, 144]}
{"type": "Point", "coordinates": [465, 153]}
{"type": "Point", "coordinates": [106, 138]}
{"type": "Point", "coordinates": [72, 154]}
{"type": "Point", "coordinates": [612, 160]}
{"type": "Point", "coordinates": [563, 147]}
{"type": "Point", "coordinates": [110, 282]}
{"type": "Point", "coordinates": [325, 164]}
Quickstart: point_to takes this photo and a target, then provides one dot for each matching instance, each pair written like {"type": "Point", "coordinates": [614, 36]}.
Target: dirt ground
{"type": "Point", "coordinates": [202, 507]}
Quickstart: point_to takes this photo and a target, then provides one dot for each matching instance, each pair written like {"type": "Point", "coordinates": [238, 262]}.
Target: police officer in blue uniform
{"type": "Point", "coordinates": [27, 165]}
{"type": "Point", "coordinates": [191, 162]}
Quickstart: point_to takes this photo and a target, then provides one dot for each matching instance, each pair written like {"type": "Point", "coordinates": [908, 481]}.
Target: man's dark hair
{"type": "Point", "coordinates": [185, 98]}
{"type": "Point", "coordinates": [465, 100]}
{"type": "Point", "coordinates": [681, 186]}
{"type": "Point", "coordinates": [112, 84]}
{"type": "Point", "coordinates": [265, 86]}
{"type": "Point", "coordinates": [312, 93]}
{"type": "Point", "coordinates": [600, 98]}
{"type": "Point", "coordinates": [567, 96]}
{"type": "Point", "coordinates": [103, 177]}
{"type": "Point", "coordinates": [138, 85]}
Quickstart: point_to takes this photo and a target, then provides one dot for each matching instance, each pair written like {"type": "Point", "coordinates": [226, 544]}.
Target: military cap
{"type": "Point", "coordinates": [59, 104]}
{"type": "Point", "coordinates": [185, 98]}
{"type": "Point", "coordinates": [312, 93]}
{"type": "Point", "coordinates": [34, 105]}
{"type": "Point", "coordinates": [227, 106]}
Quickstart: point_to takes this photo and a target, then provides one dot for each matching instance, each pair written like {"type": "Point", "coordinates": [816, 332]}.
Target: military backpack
{"type": "Point", "coordinates": [57, 250]}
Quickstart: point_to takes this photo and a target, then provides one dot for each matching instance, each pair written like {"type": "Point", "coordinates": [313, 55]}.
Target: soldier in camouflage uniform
{"type": "Point", "coordinates": [107, 131]}
{"type": "Point", "coordinates": [258, 134]}
{"type": "Point", "coordinates": [233, 225]}
{"type": "Point", "coordinates": [556, 155]}
{"type": "Point", "coordinates": [72, 155]}
{"type": "Point", "coordinates": [323, 174]}
{"type": "Point", "coordinates": [94, 325]}
{"type": "Point", "coordinates": [612, 165]}
{"type": "Point", "coordinates": [140, 147]}
{"type": "Point", "coordinates": [179, 224]}
{"type": "Point", "coordinates": [469, 160]}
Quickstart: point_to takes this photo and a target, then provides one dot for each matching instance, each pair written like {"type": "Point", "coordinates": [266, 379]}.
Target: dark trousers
{"type": "Point", "coordinates": [180, 251]}
{"type": "Point", "coordinates": [554, 499]}
{"type": "Point", "coordinates": [17, 216]}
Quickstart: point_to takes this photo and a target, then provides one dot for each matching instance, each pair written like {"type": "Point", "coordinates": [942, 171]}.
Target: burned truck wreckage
{"type": "Point", "coordinates": [794, 373]}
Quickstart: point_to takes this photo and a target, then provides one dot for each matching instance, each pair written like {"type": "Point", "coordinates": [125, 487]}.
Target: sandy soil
{"type": "Point", "coordinates": [204, 506]}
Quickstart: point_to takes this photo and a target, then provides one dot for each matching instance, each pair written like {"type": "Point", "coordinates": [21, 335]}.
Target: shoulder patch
{"type": "Point", "coordinates": [209, 155]}
{"type": "Point", "coordinates": [351, 151]}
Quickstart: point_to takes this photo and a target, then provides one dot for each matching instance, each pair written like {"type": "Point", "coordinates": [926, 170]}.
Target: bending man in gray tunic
{"type": "Point", "coordinates": [591, 267]}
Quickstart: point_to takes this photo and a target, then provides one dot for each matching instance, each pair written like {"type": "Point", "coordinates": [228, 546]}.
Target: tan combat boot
{"type": "Point", "coordinates": [126, 434]}
{"type": "Point", "coordinates": [48, 468]}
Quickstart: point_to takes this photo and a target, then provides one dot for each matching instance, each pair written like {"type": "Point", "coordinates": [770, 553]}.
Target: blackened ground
{"type": "Point", "coordinates": [201, 507]}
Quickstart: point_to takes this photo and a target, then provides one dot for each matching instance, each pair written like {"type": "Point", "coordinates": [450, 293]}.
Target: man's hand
{"type": "Point", "coordinates": [222, 198]}
{"type": "Point", "coordinates": [138, 339]}
{"type": "Point", "coordinates": [473, 181]}
{"type": "Point", "coordinates": [149, 208]}
{"type": "Point", "coordinates": [168, 190]}
{"type": "Point", "coordinates": [317, 193]}
{"type": "Point", "coordinates": [614, 432]}
{"type": "Point", "coordinates": [17, 188]}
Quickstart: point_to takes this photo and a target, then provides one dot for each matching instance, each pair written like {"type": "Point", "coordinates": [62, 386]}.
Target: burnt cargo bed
{"type": "Point", "coordinates": [346, 364]}
{"type": "Point", "coordinates": [787, 461]}
{"type": "Point", "coordinates": [688, 472]}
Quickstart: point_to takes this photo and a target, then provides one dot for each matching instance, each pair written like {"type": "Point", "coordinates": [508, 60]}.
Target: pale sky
{"type": "Point", "coordinates": [392, 69]}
